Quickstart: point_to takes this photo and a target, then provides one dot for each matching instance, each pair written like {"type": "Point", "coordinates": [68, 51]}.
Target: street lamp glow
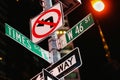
{"type": "Point", "coordinates": [98, 5]}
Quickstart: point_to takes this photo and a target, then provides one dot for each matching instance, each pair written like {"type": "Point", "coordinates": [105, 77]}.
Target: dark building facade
{"type": "Point", "coordinates": [16, 62]}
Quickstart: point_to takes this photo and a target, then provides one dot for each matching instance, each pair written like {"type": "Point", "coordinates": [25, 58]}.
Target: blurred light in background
{"type": "Point", "coordinates": [98, 5]}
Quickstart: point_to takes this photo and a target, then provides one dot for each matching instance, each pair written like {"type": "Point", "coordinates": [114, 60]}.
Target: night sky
{"type": "Point", "coordinates": [95, 64]}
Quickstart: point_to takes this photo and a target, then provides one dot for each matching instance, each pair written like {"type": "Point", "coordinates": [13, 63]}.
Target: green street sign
{"type": "Point", "coordinates": [26, 42]}
{"type": "Point", "coordinates": [75, 31]}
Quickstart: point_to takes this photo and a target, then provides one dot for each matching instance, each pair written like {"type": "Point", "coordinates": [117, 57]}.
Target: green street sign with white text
{"type": "Point", "coordinates": [26, 42]}
{"type": "Point", "coordinates": [75, 31]}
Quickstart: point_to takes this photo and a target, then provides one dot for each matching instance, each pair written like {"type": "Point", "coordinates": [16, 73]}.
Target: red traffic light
{"type": "Point", "coordinates": [98, 5]}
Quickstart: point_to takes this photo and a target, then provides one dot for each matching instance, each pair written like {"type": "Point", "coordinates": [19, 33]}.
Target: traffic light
{"type": "Point", "coordinates": [100, 8]}
{"type": "Point", "coordinates": [98, 5]}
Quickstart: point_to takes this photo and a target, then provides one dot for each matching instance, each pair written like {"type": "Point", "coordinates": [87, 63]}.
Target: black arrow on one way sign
{"type": "Point", "coordinates": [48, 76]}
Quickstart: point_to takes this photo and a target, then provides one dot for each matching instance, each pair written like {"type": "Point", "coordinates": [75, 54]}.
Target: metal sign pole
{"type": "Point", "coordinates": [55, 54]}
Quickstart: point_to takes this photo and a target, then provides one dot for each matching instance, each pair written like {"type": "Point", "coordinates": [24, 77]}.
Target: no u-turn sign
{"type": "Point", "coordinates": [46, 23]}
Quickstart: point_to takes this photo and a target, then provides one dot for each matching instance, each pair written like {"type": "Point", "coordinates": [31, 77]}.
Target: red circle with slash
{"type": "Point", "coordinates": [47, 23]}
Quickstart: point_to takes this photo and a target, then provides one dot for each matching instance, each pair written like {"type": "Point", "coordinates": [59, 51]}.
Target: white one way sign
{"type": "Point", "coordinates": [64, 66]}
